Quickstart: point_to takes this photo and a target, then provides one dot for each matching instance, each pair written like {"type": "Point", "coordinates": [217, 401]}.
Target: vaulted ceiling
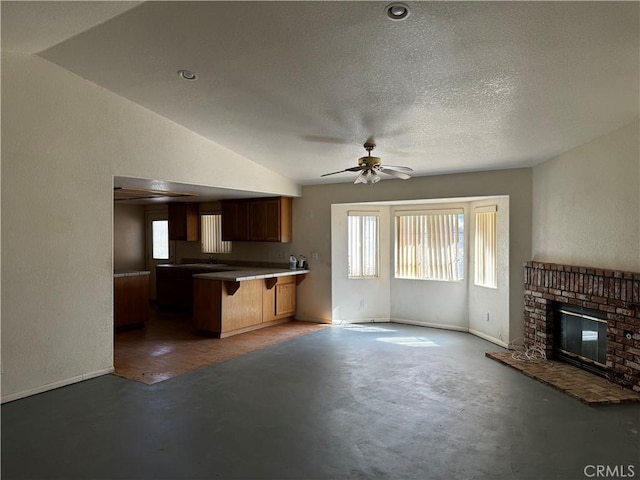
{"type": "Point", "coordinates": [300, 86]}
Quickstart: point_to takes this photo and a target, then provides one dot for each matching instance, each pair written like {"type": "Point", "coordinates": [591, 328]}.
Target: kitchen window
{"type": "Point", "coordinates": [160, 239]}
{"type": "Point", "coordinates": [363, 234]}
{"type": "Point", "coordinates": [211, 235]}
{"type": "Point", "coordinates": [486, 247]}
{"type": "Point", "coordinates": [430, 244]}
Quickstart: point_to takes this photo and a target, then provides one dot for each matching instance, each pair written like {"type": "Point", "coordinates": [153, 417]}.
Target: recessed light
{"type": "Point", "coordinates": [397, 11]}
{"type": "Point", "coordinates": [187, 75]}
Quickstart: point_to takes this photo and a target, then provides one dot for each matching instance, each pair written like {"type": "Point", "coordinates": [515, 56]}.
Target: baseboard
{"type": "Point", "coordinates": [53, 385]}
{"type": "Point", "coordinates": [488, 338]}
{"type": "Point", "coordinates": [442, 326]}
{"type": "Point", "coordinates": [361, 320]}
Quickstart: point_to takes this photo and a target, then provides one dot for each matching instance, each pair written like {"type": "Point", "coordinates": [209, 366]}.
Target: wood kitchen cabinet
{"type": "Point", "coordinates": [257, 220]}
{"type": "Point", "coordinates": [223, 308]}
{"type": "Point", "coordinates": [279, 298]}
{"type": "Point", "coordinates": [184, 221]}
{"type": "Point", "coordinates": [131, 300]}
{"type": "Point", "coordinates": [235, 220]}
{"type": "Point", "coordinates": [222, 311]}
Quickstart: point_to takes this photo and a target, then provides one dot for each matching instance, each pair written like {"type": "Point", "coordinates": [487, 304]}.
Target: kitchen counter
{"type": "Point", "coordinates": [130, 273]}
{"type": "Point", "coordinates": [243, 299]}
{"type": "Point", "coordinates": [241, 274]}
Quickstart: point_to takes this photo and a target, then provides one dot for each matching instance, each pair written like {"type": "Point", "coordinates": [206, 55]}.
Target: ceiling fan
{"type": "Point", "coordinates": [370, 167]}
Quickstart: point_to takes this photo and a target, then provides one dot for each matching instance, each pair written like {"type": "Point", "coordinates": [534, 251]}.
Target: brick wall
{"type": "Point", "coordinates": [613, 292]}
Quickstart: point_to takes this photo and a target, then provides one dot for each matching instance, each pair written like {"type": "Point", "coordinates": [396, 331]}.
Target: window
{"type": "Point", "coordinates": [160, 239]}
{"type": "Point", "coordinates": [430, 245]}
{"type": "Point", "coordinates": [211, 235]}
{"type": "Point", "coordinates": [486, 269]}
{"type": "Point", "coordinates": [363, 236]}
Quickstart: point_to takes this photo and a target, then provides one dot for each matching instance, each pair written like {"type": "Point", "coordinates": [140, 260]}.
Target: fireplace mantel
{"type": "Point", "coordinates": [615, 293]}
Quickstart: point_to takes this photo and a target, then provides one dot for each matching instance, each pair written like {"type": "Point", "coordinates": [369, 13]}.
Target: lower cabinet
{"type": "Point", "coordinates": [224, 308]}
{"type": "Point", "coordinates": [279, 298]}
{"type": "Point", "coordinates": [131, 301]}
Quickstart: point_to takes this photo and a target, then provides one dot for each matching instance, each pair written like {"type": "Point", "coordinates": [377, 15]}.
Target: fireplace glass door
{"type": "Point", "coordinates": [583, 335]}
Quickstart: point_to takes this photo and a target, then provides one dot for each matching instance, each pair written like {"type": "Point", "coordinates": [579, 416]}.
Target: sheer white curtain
{"type": "Point", "coordinates": [429, 245]}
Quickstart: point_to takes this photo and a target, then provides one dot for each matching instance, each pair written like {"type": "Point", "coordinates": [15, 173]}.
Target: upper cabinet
{"type": "Point", "coordinates": [184, 222]}
{"type": "Point", "coordinates": [257, 219]}
{"type": "Point", "coordinates": [235, 223]}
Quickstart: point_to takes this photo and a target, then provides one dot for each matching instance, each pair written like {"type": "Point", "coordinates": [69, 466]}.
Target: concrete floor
{"type": "Point", "coordinates": [383, 401]}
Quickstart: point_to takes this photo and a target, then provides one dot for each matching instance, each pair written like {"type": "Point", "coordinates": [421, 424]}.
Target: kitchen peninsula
{"type": "Point", "coordinates": [230, 302]}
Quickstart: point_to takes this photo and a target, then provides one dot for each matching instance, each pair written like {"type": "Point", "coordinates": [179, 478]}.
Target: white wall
{"type": "Point", "coordinates": [63, 140]}
{"type": "Point", "coordinates": [492, 301]}
{"type": "Point", "coordinates": [459, 305]}
{"type": "Point", "coordinates": [312, 227]}
{"type": "Point", "coordinates": [128, 237]}
{"type": "Point", "coordinates": [586, 204]}
{"type": "Point", "coordinates": [357, 300]}
{"type": "Point", "coordinates": [430, 302]}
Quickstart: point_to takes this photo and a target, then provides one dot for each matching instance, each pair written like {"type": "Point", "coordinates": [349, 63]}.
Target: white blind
{"type": "Point", "coordinates": [363, 245]}
{"type": "Point", "coordinates": [486, 267]}
{"type": "Point", "coordinates": [430, 245]}
{"type": "Point", "coordinates": [211, 235]}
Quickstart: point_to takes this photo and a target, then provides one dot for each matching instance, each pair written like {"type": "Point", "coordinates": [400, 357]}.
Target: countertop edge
{"type": "Point", "coordinates": [132, 273]}
{"type": "Point", "coordinates": [239, 276]}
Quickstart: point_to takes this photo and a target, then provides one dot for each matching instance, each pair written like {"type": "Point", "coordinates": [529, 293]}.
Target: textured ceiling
{"type": "Point", "coordinates": [299, 86]}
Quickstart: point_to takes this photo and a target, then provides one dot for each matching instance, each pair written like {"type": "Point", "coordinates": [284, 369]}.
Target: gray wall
{"type": "Point", "coordinates": [586, 204]}
{"type": "Point", "coordinates": [312, 227]}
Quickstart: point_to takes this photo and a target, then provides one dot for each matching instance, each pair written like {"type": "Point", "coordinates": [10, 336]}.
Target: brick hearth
{"type": "Point", "coordinates": [612, 292]}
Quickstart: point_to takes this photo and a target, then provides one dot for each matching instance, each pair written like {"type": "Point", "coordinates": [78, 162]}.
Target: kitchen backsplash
{"type": "Point", "coordinates": [254, 253]}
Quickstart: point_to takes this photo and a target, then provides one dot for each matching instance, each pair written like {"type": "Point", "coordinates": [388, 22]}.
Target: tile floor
{"type": "Point", "coordinates": [584, 386]}
{"type": "Point", "coordinates": [169, 346]}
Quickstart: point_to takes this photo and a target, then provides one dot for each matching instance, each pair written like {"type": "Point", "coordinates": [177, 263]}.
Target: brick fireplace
{"type": "Point", "coordinates": [615, 294]}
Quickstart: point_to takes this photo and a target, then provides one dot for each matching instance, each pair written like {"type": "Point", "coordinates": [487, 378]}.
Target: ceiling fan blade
{"type": "Point", "coordinates": [397, 168]}
{"type": "Point", "coordinates": [322, 139]}
{"type": "Point", "coordinates": [333, 173]}
{"type": "Point", "coordinates": [352, 169]}
{"type": "Point", "coordinates": [396, 174]}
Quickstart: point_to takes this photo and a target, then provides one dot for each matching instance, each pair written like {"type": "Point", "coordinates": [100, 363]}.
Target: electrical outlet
{"type": "Point", "coordinates": [314, 255]}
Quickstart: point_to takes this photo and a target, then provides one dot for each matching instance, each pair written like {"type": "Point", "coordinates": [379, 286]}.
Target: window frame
{"type": "Point", "coordinates": [375, 256]}
{"type": "Point", "coordinates": [153, 237]}
{"type": "Point", "coordinates": [480, 257]}
{"type": "Point", "coordinates": [458, 267]}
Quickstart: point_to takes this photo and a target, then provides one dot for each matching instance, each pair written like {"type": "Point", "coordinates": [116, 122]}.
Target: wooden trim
{"type": "Point", "coordinates": [231, 287]}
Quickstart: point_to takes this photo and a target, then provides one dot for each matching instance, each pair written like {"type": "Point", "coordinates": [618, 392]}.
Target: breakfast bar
{"type": "Point", "coordinates": [230, 302]}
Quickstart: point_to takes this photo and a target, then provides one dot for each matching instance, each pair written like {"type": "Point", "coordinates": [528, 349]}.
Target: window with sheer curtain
{"type": "Point", "coordinates": [486, 245]}
{"type": "Point", "coordinates": [363, 233]}
{"type": "Point", "coordinates": [430, 245]}
{"type": "Point", "coordinates": [211, 235]}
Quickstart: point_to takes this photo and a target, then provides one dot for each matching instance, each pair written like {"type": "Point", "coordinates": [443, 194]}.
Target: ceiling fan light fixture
{"type": "Point", "coordinates": [370, 168]}
{"type": "Point", "coordinates": [397, 11]}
